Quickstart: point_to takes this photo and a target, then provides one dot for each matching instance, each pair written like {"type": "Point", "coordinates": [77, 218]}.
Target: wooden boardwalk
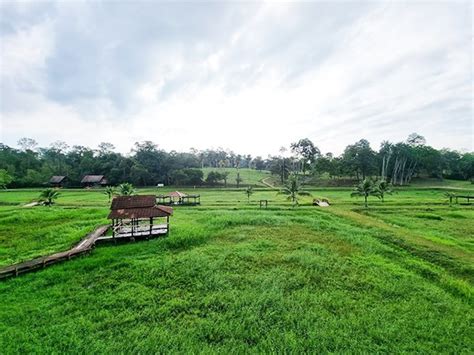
{"type": "Point", "coordinates": [84, 246]}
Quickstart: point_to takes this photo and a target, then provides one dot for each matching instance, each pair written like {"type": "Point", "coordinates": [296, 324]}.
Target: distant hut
{"type": "Point", "coordinates": [179, 198]}
{"type": "Point", "coordinates": [58, 181]}
{"type": "Point", "coordinates": [93, 181]}
{"type": "Point", "coordinates": [135, 216]}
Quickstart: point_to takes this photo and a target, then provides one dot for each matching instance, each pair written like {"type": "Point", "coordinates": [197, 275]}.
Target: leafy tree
{"type": "Point", "coordinates": [49, 196]}
{"type": "Point", "coordinates": [249, 192]}
{"type": "Point", "coordinates": [27, 144]}
{"type": "Point", "coordinates": [126, 189]}
{"type": "Point", "coordinates": [366, 188]}
{"type": "Point", "coordinates": [5, 178]}
{"type": "Point", "coordinates": [360, 158]}
{"type": "Point", "coordinates": [293, 189]}
{"type": "Point", "coordinates": [383, 187]}
{"type": "Point", "coordinates": [415, 140]}
{"type": "Point", "coordinates": [280, 166]}
{"type": "Point", "coordinates": [188, 177]}
{"type": "Point", "coordinates": [110, 191]}
{"type": "Point", "coordinates": [213, 177]}
{"type": "Point", "coordinates": [307, 151]}
{"type": "Point", "coordinates": [225, 176]}
{"type": "Point", "coordinates": [466, 166]}
{"type": "Point", "coordinates": [258, 163]}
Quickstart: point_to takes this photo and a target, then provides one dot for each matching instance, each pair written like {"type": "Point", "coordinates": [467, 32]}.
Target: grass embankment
{"type": "Point", "coordinates": [397, 277]}
{"type": "Point", "coordinates": [249, 176]}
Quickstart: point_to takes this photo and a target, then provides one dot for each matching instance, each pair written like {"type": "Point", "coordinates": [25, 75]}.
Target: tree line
{"type": "Point", "coordinates": [28, 165]}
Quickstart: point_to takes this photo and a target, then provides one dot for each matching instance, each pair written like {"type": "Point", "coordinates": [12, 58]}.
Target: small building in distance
{"type": "Point", "coordinates": [58, 181]}
{"type": "Point", "coordinates": [179, 198]}
{"type": "Point", "coordinates": [94, 181]}
{"type": "Point", "coordinates": [135, 216]}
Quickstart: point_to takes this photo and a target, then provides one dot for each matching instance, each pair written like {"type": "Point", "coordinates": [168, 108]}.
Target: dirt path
{"type": "Point", "coordinates": [268, 184]}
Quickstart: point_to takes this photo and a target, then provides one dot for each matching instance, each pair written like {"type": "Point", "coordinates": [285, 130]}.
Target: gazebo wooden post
{"type": "Point", "coordinates": [167, 225]}
{"type": "Point", "coordinates": [151, 225]}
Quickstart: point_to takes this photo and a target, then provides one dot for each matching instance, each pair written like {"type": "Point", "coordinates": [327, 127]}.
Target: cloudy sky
{"type": "Point", "coordinates": [251, 77]}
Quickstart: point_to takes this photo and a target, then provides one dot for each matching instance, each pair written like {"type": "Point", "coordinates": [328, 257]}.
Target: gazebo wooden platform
{"type": "Point", "coordinates": [133, 217]}
{"type": "Point", "coordinates": [179, 198]}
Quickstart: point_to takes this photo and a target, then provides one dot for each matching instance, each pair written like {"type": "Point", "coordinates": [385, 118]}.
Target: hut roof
{"type": "Point", "coordinates": [176, 194]}
{"type": "Point", "coordinates": [137, 201]}
{"type": "Point", "coordinates": [57, 179]}
{"type": "Point", "coordinates": [92, 179]}
{"type": "Point", "coordinates": [139, 206]}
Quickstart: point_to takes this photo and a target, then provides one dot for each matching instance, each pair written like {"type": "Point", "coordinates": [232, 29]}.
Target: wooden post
{"type": "Point", "coordinates": [167, 225]}
{"type": "Point", "coordinates": [151, 225]}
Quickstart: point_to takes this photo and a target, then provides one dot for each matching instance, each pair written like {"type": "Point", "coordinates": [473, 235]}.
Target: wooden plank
{"type": "Point", "coordinates": [85, 245]}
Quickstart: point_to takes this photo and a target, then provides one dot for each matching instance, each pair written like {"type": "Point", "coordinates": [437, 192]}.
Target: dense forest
{"type": "Point", "coordinates": [146, 165]}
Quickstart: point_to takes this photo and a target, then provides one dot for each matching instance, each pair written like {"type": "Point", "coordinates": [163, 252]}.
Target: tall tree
{"type": "Point", "coordinates": [360, 158]}
{"type": "Point", "coordinates": [306, 151]}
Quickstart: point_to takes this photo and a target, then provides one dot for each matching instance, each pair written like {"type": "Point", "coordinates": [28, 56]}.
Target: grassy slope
{"type": "Point", "coordinates": [249, 176]}
{"type": "Point", "coordinates": [397, 277]}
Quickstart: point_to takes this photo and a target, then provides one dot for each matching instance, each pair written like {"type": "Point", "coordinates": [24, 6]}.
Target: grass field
{"type": "Point", "coordinates": [249, 176]}
{"type": "Point", "coordinates": [396, 277]}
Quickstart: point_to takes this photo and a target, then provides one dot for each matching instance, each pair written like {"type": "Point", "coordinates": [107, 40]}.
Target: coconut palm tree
{"type": "Point", "coordinates": [248, 192]}
{"type": "Point", "coordinates": [366, 188]}
{"type": "Point", "coordinates": [293, 189]}
{"type": "Point", "coordinates": [384, 187]}
{"type": "Point", "coordinates": [110, 192]}
{"type": "Point", "coordinates": [48, 196]}
{"type": "Point", "coordinates": [126, 189]}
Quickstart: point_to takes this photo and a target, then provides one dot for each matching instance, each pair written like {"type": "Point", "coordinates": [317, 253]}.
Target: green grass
{"type": "Point", "coordinates": [396, 277]}
{"type": "Point", "coordinates": [249, 176]}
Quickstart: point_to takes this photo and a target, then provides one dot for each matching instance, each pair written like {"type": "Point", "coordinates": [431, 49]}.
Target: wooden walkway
{"type": "Point", "coordinates": [84, 246]}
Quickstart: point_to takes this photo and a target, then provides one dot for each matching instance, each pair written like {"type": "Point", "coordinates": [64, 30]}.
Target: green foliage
{"type": "Point", "coordinates": [188, 177]}
{"type": "Point", "coordinates": [365, 189]}
{"type": "Point", "coordinates": [293, 189]}
{"type": "Point", "coordinates": [383, 187]}
{"type": "Point", "coordinates": [5, 178]}
{"type": "Point", "coordinates": [110, 191]}
{"type": "Point", "coordinates": [306, 151]}
{"type": "Point", "coordinates": [49, 196]}
{"type": "Point", "coordinates": [249, 192]}
{"type": "Point", "coordinates": [126, 189]}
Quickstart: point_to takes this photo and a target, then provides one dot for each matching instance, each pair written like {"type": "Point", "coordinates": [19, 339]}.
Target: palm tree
{"type": "Point", "coordinates": [48, 196]}
{"type": "Point", "coordinates": [248, 192]}
{"type": "Point", "coordinates": [126, 189]}
{"type": "Point", "coordinates": [384, 187]}
{"type": "Point", "coordinates": [293, 189]}
{"type": "Point", "coordinates": [110, 191]}
{"type": "Point", "coordinates": [366, 188]}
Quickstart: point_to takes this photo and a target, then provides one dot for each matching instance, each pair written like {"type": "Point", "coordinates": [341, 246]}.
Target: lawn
{"type": "Point", "coordinates": [396, 277]}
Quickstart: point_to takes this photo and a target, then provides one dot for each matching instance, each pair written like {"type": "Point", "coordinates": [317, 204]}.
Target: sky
{"type": "Point", "coordinates": [247, 76]}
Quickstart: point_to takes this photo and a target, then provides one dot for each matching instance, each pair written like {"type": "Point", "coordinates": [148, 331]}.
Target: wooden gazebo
{"type": "Point", "coordinates": [135, 216]}
{"type": "Point", "coordinates": [179, 198]}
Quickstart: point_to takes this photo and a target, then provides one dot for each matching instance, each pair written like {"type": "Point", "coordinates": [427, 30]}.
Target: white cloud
{"type": "Point", "coordinates": [250, 77]}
